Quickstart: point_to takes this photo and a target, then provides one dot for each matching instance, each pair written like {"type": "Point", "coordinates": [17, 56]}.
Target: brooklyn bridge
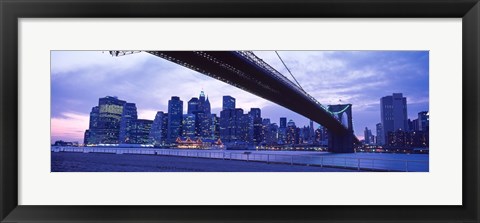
{"type": "Point", "coordinates": [244, 70]}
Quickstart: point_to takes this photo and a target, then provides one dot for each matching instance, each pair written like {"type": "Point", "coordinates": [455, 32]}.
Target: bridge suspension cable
{"type": "Point", "coordinates": [299, 86]}
{"type": "Point", "coordinates": [279, 57]}
{"type": "Point", "coordinates": [341, 111]}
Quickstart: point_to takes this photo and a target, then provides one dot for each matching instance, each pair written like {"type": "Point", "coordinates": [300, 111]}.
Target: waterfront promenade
{"type": "Point", "coordinates": [102, 162]}
{"type": "Point", "coordinates": [351, 161]}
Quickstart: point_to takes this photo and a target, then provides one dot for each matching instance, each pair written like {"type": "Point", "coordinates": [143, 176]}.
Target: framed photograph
{"type": "Point", "coordinates": [321, 111]}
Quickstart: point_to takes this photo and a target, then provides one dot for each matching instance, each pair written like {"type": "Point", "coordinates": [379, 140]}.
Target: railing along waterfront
{"type": "Point", "coordinates": [360, 164]}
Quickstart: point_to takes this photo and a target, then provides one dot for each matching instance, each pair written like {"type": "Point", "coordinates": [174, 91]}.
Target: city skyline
{"type": "Point", "coordinates": [114, 76]}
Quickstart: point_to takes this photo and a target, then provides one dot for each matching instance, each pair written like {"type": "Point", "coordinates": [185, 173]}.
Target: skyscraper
{"type": "Point", "coordinates": [271, 136]}
{"type": "Point", "coordinates": [244, 129]}
{"type": "Point", "coordinates": [232, 125]}
{"type": "Point", "coordinates": [423, 121]}
{"type": "Point", "coordinates": [207, 108]}
{"type": "Point", "coordinates": [158, 132]}
{"type": "Point", "coordinates": [380, 134]}
{"type": "Point", "coordinates": [175, 118]}
{"type": "Point", "coordinates": [215, 127]}
{"type": "Point", "coordinates": [283, 122]}
{"type": "Point", "coordinates": [393, 111]}
{"type": "Point", "coordinates": [282, 131]}
{"type": "Point", "coordinates": [140, 131]}
{"type": "Point", "coordinates": [203, 124]}
{"type": "Point", "coordinates": [203, 119]}
{"type": "Point", "coordinates": [256, 125]}
{"type": "Point", "coordinates": [129, 115]}
{"type": "Point", "coordinates": [94, 117]}
{"type": "Point", "coordinates": [203, 104]}
{"type": "Point", "coordinates": [188, 125]}
{"type": "Point", "coordinates": [228, 102]}
{"type": "Point", "coordinates": [367, 134]}
{"type": "Point", "coordinates": [415, 125]}
{"type": "Point", "coordinates": [105, 120]}
{"type": "Point", "coordinates": [312, 132]}
{"type": "Point", "coordinates": [192, 105]}
{"type": "Point", "coordinates": [292, 133]}
{"type": "Point", "coordinates": [200, 107]}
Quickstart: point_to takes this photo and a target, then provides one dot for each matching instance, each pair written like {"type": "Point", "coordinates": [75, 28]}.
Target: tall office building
{"type": "Point", "coordinates": [271, 134]}
{"type": "Point", "coordinates": [90, 133]}
{"type": "Point", "coordinates": [129, 115]}
{"type": "Point", "coordinates": [158, 132]}
{"type": "Point", "coordinates": [175, 118]}
{"type": "Point", "coordinates": [256, 125]}
{"type": "Point", "coordinates": [282, 131]}
{"type": "Point", "coordinates": [265, 125]}
{"type": "Point", "coordinates": [94, 114]}
{"type": "Point", "coordinates": [188, 125]}
{"type": "Point", "coordinates": [393, 111]}
{"type": "Point", "coordinates": [203, 124]}
{"type": "Point", "coordinates": [207, 107]}
{"type": "Point", "coordinates": [228, 102]}
{"type": "Point", "coordinates": [380, 134]}
{"type": "Point", "coordinates": [292, 133]}
{"type": "Point", "coordinates": [423, 121]}
{"type": "Point", "coordinates": [215, 127]}
{"type": "Point", "coordinates": [415, 125]}
{"type": "Point", "coordinates": [245, 129]}
{"type": "Point", "coordinates": [200, 107]}
{"type": "Point", "coordinates": [255, 112]}
{"type": "Point", "coordinates": [105, 120]}
{"type": "Point", "coordinates": [312, 132]}
{"type": "Point", "coordinates": [140, 131]}
{"type": "Point", "coordinates": [266, 121]}
{"type": "Point", "coordinates": [232, 127]}
{"type": "Point", "coordinates": [203, 119]}
{"type": "Point", "coordinates": [368, 137]}
{"type": "Point", "coordinates": [283, 122]}
{"type": "Point", "coordinates": [203, 104]}
{"type": "Point", "coordinates": [410, 125]}
{"type": "Point", "coordinates": [319, 135]}
{"type": "Point", "coordinates": [192, 106]}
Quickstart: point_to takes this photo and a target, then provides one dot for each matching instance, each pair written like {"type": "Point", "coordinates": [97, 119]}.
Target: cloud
{"type": "Point", "coordinates": [64, 62]}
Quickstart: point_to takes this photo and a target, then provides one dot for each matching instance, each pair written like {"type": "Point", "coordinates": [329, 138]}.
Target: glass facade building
{"type": "Point", "coordinates": [175, 118]}
{"type": "Point", "coordinates": [158, 132]}
{"type": "Point", "coordinates": [228, 102]}
{"type": "Point", "coordinates": [393, 111]}
{"type": "Point", "coordinates": [188, 125]}
{"type": "Point", "coordinates": [256, 125]}
{"type": "Point", "coordinates": [233, 125]}
{"type": "Point", "coordinates": [105, 121]}
{"type": "Point", "coordinates": [140, 131]}
{"type": "Point", "coordinates": [129, 115]}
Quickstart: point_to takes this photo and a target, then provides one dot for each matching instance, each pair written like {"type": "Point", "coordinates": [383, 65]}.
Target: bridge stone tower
{"type": "Point", "coordinates": [342, 143]}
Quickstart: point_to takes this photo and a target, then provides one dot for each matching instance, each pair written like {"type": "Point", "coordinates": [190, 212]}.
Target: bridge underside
{"type": "Point", "coordinates": [232, 68]}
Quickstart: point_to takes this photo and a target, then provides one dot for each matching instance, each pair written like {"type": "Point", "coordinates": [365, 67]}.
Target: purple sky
{"type": "Point", "coordinates": [80, 78]}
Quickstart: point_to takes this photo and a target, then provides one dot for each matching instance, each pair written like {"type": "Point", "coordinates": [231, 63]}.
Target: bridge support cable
{"type": "Point", "coordinates": [259, 62]}
{"type": "Point", "coordinates": [279, 57]}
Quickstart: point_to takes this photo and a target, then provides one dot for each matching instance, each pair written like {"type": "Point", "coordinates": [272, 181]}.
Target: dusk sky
{"type": "Point", "coordinates": [361, 78]}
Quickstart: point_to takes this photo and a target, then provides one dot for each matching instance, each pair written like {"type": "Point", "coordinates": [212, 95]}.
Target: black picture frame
{"type": "Point", "coordinates": [12, 10]}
